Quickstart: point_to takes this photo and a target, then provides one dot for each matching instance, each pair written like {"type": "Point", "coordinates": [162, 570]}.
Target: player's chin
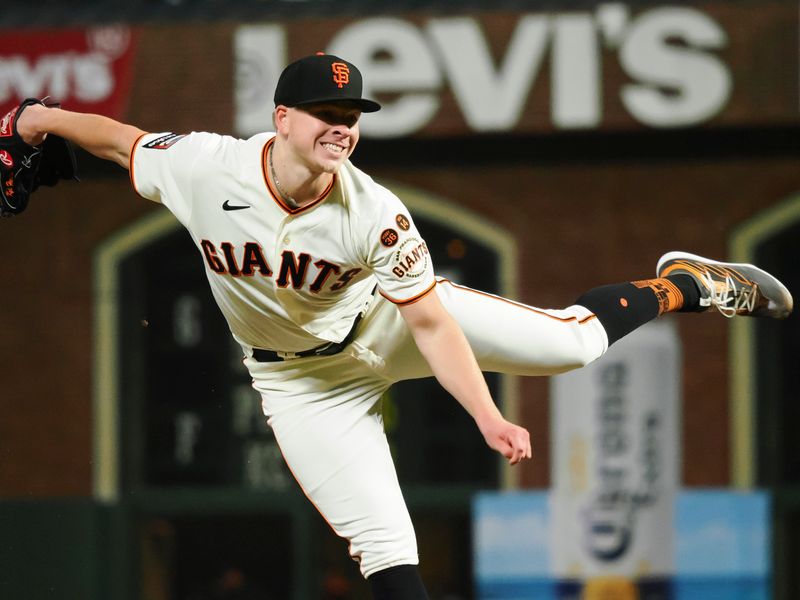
{"type": "Point", "coordinates": [331, 164]}
{"type": "Point", "coordinates": [330, 167]}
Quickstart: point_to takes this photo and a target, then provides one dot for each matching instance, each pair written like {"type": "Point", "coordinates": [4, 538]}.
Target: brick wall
{"type": "Point", "coordinates": [578, 226]}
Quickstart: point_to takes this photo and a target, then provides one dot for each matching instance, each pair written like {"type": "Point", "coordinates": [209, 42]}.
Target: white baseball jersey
{"type": "Point", "coordinates": [286, 279]}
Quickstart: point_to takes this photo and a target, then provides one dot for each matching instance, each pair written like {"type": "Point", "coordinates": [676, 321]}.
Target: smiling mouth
{"type": "Point", "coordinates": [335, 148]}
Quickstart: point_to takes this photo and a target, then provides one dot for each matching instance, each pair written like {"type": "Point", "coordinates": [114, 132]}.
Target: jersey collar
{"type": "Point", "coordinates": [292, 210]}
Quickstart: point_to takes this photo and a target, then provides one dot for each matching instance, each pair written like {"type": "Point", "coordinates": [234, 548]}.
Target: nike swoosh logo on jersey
{"type": "Point", "coordinates": [228, 206]}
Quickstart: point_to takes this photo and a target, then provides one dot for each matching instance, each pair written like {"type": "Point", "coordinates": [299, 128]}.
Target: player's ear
{"type": "Point", "coordinates": [279, 118]}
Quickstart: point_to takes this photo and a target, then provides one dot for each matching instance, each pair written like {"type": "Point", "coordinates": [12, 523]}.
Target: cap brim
{"type": "Point", "coordinates": [366, 106]}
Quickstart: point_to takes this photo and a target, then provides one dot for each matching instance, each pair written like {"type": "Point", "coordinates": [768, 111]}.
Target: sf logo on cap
{"type": "Point", "coordinates": [341, 73]}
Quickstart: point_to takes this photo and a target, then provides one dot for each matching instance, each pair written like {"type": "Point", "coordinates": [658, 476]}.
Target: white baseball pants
{"type": "Point", "coordinates": [326, 415]}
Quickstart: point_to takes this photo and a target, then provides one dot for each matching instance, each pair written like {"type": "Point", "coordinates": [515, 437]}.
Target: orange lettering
{"type": "Point", "coordinates": [341, 74]}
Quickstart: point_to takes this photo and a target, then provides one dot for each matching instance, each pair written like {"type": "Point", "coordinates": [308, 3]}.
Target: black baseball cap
{"type": "Point", "coordinates": [322, 78]}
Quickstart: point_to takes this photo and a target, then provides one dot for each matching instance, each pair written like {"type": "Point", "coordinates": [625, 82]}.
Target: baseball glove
{"type": "Point", "coordinates": [23, 168]}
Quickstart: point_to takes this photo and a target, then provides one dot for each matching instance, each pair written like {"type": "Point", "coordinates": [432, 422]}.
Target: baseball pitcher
{"type": "Point", "coordinates": [331, 292]}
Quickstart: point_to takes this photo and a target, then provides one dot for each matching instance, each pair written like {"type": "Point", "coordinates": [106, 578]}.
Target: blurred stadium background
{"type": "Point", "coordinates": [544, 148]}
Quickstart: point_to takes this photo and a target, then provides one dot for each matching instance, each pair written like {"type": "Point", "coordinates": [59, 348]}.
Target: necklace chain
{"type": "Point", "coordinates": [283, 194]}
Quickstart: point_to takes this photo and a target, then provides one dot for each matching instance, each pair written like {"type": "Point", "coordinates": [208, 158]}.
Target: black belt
{"type": "Point", "coordinates": [329, 349]}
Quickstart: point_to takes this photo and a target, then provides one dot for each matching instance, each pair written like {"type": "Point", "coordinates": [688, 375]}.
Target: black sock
{"type": "Point", "coordinates": [691, 293]}
{"type": "Point", "coordinates": [398, 583]}
{"type": "Point", "coordinates": [621, 307]}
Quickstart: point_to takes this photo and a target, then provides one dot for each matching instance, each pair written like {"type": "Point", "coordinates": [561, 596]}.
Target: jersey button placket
{"type": "Point", "coordinates": [285, 230]}
{"type": "Point", "coordinates": [283, 238]}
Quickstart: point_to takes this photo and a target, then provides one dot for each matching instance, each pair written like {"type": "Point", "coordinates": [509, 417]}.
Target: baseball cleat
{"type": "Point", "coordinates": [733, 289]}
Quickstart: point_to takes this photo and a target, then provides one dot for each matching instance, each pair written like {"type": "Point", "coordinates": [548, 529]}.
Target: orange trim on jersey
{"type": "Point", "coordinates": [130, 162]}
{"type": "Point", "coordinates": [276, 195]}
{"type": "Point", "coordinates": [410, 300]}
{"type": "Point", "coordinates": [524, 306]}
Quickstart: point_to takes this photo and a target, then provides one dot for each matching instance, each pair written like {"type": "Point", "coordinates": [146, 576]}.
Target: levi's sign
{"type": "Point", "coordinates": [661, 67]}
{"type": "Point", "coordinates": [83, 69]}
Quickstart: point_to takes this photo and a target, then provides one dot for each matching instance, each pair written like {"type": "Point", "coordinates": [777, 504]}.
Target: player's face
{"type": "Point", "coordinates": [324, 135]}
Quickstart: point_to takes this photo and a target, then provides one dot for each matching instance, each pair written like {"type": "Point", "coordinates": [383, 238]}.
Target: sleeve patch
{"type": "Point", "coordinates": [389, 237]}
{"type": "Point", "coordinates": [163, 142]}
{"type": "Point", "coordinates": [403, 222]}
{"type": "Point", "coordinates": [410, 260]}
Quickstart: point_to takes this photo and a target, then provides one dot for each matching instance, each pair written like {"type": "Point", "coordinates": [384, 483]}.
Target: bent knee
{"type": "Point", "coordinates": [556, 359]}
{"type": "Point", "coordinates": [586, 345]}
{"type": "Point", "coordinates": [375, 551]}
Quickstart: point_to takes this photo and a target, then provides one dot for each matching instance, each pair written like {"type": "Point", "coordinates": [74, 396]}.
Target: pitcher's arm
{"type": "Point", "coordinates": [98, 135]}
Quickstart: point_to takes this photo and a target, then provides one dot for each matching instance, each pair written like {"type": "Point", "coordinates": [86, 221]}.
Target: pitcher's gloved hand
{"type": "Point", "coordinates": [23, 168]}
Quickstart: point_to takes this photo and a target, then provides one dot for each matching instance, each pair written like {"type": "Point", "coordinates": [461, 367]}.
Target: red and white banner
{"type": "Point", "coordinates": [86, 70]}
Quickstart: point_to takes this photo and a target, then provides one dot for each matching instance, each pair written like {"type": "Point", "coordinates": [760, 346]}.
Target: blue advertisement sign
{"type": "Point", "coordinates": [721, 545]}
